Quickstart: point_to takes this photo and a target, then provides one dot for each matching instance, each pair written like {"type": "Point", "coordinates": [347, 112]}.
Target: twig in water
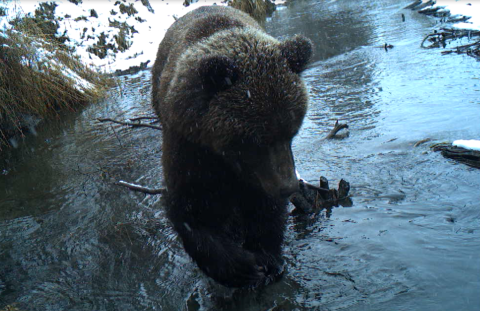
{"type": "Point", "coordinates": [139, 188]}
{"type": "Point", "coordinates": [418, 143]}
{"type": "Point", "coordinates": [132, 124]}
{"type": "Point", "coordinates": [144, 118]}
{"type": "Point", "coordinates": [119, 141]}
{"type": "Point", "coordinates": [447, 36]}
{"type": "Point", "coordinates": [336, 129]}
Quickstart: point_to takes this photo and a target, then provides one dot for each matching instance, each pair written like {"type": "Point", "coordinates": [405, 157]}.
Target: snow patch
{"type": "Point", "coordinates": [471, 144]}
{"type": "Point", "coordinates": [457, 8]}
{"type": "Point", "coordinates": [144, 44]}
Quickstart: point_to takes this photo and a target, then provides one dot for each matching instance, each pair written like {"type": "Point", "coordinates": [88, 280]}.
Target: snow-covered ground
{"type": "Point", "coordinates": [469, 11]}
{"type": "Point", "coordinates": [144, 43]}
{"type": "Point", "coordinates": [459, 8]}
{"type": "Point", "coordinates": [150, 33]}
{"type": "Point", "coordinates": [471, 144]}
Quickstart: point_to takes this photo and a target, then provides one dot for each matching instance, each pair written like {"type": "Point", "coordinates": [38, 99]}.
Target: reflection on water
{"type": "Point", "coordinates": [322, 21]}
{"type": "Point", "coordinates": [72, 240]}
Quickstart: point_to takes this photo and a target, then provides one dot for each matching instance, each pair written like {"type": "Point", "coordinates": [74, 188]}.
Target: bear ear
{"type": "Point", "coordinates": [298, 51]}
{"type": "Point", "coordinates": [217, 73]}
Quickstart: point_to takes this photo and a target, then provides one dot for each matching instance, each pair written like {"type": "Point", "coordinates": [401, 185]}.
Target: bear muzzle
{"type": "Point", "coordinates": [276, 171]}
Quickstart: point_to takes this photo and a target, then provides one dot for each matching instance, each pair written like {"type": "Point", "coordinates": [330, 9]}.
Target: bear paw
{"type": "Point", "coordinates": [246, 270]}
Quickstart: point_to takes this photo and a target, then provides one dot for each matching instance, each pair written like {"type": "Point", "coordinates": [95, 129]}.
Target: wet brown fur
{"type": "Point", "coordinates": [269, 99]}
{"type": "Point", "coordinates": [255, 8]}
{"type": "Point", "coordinates": [229, 97]}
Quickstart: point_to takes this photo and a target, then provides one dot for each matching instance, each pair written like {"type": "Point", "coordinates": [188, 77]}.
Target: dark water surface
{"type": "Point", "coordinates": [71, 240]}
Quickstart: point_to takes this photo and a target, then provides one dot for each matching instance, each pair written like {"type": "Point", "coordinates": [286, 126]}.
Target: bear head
{"type": "Point", "coordinates": [238, 93]}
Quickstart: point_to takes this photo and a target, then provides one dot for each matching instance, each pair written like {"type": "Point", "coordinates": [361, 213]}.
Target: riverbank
{"type": "Point", "coordinates": [458, 29]}
{"type": "Point", "coordinates": [115, 37]}
{"type": "Point", "coordinates": [460, 14]}
{"type": "Point", "coordinates": [37, 40]}
{"type": "Point", "coordinates": [122, 38]}
{"type": "Point", "coordinates": [38, 78]}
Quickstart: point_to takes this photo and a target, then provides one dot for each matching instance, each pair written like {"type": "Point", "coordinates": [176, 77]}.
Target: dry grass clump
{"type": "Point", "coordinates": [38, 78]}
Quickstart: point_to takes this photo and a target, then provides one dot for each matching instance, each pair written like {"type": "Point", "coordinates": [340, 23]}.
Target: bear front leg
{"type": "Point", "coordinates": [219, 257]}
{"type": "Point", "coordinates": [266, 241]}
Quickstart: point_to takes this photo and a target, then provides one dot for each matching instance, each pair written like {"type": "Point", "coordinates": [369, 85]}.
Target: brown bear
{"type": "Point", "coordinates": [230, 100]}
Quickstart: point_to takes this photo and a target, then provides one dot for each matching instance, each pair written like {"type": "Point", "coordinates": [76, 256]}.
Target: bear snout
{"type": "Point", "coordinates": [278, 186]}
{"type": "Point", "coordinates": [276, 171]}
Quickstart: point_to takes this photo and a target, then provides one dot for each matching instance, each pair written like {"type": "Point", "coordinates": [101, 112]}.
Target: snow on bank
{"type": "Point", "coordinates": [47, 60]}
{"type": "Point", "coordinates": [463, 8]}
{"type": "Point", "coordinates": [83, 33]}
{"type": "Point", "coordinates": [458, 9]}
{"type": "Point", "coordinates": [471, 144]}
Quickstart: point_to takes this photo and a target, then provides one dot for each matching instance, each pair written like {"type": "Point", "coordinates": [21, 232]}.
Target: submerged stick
{"type": "Point", "coordinates": [418, 143]}
{"type": "Point", "coordinates": [145, 118]}
{"type": "Point", "coordinates": [132, 124]}
{"type": "Point", "coordinates": [336, 129]}
{"type": "Point", "coordinates": [139, 188]}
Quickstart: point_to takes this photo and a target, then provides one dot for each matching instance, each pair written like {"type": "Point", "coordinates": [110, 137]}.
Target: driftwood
{"type": "Point", "coordinates": [309, 199]}
{"type": "Point", "coordinates": [472, 49]}
{"type": "Point", "coordinates": [445, 37]}
{"type": "Point", "coordinates": [145, 118]}
{"type": "Point", "coordinates": [466, 156]}
{"type": "Point", "coordinates": [312, 199]}
{"type": "Point", "coordinates": [419, 4]}
{"type": "Point", "coordinates": [441, 38]}
{"type": "Point", "coordinates": [337, 127]}
{"type": "Point", "coordinates": [418, 143]}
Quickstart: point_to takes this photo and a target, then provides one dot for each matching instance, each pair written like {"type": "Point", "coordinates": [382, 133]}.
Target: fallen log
{"type": "Point", "coordinates": [462, 155]}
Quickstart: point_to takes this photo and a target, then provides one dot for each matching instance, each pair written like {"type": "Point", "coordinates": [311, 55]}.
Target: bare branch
{"type": "Point", "coordinates": [441, 38]}
{"type": "Point", "coordinates": [319, 189]}
{"type": "Point", "coordinates": [139, 188]}
{"type": "Point", "coordinates": [336, 129]}
{"type": "Point", "coordinates": [144, 118]}
{"type": "Point", "coordinates": [418, 143]}
{"type": "Point", "coordinates": [132, 124]}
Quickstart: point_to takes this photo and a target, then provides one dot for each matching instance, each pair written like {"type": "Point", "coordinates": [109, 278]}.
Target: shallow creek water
{"type": "Point", "coordinates": [72, 240]}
